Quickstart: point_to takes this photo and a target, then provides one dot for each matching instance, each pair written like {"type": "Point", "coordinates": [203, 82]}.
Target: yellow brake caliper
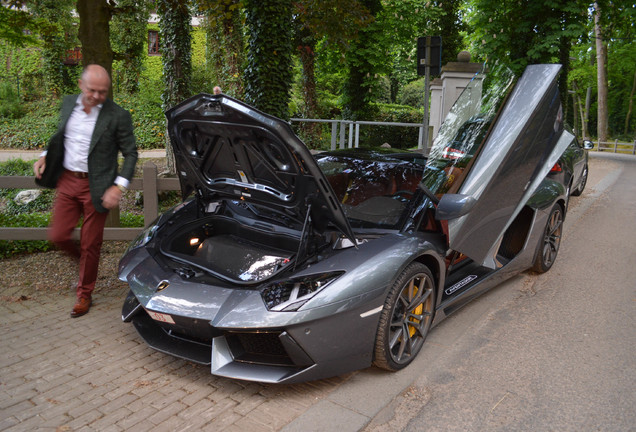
{"type": "Point", "coordinates": [417, 311]}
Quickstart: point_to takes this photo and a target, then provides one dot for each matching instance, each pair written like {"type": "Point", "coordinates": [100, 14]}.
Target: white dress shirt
{"type": "Point", "coordinates": [77, 136]}
{"type": "Point", "coordinates": [77, 139]}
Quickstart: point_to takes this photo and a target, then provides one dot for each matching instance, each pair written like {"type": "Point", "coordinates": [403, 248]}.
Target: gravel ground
{"type": "Point", "coordinates": [38, 275]}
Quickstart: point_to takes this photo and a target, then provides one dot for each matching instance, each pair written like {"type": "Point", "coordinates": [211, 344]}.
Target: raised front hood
{"type": "Point", "coordinates": [225, 149]}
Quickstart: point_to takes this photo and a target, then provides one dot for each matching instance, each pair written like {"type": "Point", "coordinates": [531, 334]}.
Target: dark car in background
{"type": "Point", "coordinates": [284, 267]}
{"type": "Point", "coordinates": [573, 166]}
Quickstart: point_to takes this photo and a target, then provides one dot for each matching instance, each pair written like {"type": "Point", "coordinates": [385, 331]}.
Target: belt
{"type": "Point", "coordinates": [78, 174]}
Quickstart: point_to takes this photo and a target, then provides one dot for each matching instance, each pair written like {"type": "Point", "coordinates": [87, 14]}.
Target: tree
{"type": "Point", "coordinates": [225, 43]}
{"type": "Point", "coordinates": [601, 63]}
{"type": "Point", "coordinates": [57, 30]}
{"type": "Point", "coordinates": [333, 23]}
{"type": "Point", "coordinates": [14, 19]}
{"type": "Point", "coordinates": [615, 20]}
{"type": "Point", "coordinates": [176, 56]}
{"type": "Point", "coordinates": [403, 22]}
{"type": "Point", "coordinates": [176, 53]}
{"type": "Point", "coordinates": [365, 53]}
{"type": "Point", "coordinates": [268, 72]}
{"type": "Point", "coordinates": [94, 33]}
{"type": "Point", "coordinates": [527, 32]}
{"type": "Point", "coordinates": [128, 34]}
{"type": "Point", "coordinates": [450, 26]}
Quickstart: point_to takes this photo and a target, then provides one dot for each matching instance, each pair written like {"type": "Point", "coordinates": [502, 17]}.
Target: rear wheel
{"type": "Point", "coordinates": [406, 318]}
{"type": "Point", "coordinates": [549, 244]}
{"type": "Point", "coordinates": [582, 183]}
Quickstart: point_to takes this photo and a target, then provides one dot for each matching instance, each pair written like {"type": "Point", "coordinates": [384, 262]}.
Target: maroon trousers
{"type": "Point", "coordinates": [72, 200]}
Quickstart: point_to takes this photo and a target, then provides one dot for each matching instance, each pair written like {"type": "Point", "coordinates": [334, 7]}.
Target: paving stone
{"type": "Point", "coordinates": [96, 374]}
{"type": "Point", "coordinates": [249, 405]}
{"type": "Point", "coordinates": [251, 424]}
{"type": "Point", "coordinates": [166, 413]}
{"type": "Point", "coordinates": [136, 416]}
{"type": "Point", "coordinates": [111, 418]}
{"type": "Point", "coordinates": [8, 422]}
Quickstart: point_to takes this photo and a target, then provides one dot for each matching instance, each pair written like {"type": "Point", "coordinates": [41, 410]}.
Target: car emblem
{"type": "Point", "coordinates": [162, 285]}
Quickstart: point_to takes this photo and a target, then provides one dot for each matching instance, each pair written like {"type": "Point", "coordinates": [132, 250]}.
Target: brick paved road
{"type": "Point", "coordinates": [94, 373]}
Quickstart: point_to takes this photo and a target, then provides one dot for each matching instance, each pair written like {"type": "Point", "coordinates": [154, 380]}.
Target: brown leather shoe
{"type": "Point", "coordinates": [81, 307]}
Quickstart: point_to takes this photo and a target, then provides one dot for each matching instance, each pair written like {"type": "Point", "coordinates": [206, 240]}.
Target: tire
{"type": "Point", "coordinates": [405, 318]}
{"type": "Point", "coordinates": [582, 183]}
{"type": "Point", "coordinates": [550, 242]}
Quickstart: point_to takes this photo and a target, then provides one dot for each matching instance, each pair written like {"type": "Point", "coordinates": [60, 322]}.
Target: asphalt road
{"type": "Point", "coordinates": [551, 352]}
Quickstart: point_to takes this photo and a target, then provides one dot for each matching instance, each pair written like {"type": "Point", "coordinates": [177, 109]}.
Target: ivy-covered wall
{"type": "Point", "coordinates": [21, 68]}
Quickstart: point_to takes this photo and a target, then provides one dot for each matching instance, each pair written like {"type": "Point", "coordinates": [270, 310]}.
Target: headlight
{"type": "Point", "coordinates": [290, 295]}
{"type": "Point", "coordinates": [143, 238]}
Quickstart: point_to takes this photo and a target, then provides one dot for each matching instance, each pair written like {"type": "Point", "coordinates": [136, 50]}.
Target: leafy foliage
{"type": "Point", "coordinates": [225, 42]}
{"type": "Point", "coordinates": [268, 71]}
{"type": "Point", "coordinates": [56, 27]}
{"type": "Point", "coordinates": [148, 117]}
{"type": "Point", "coordinates": [397, 136]}
{"type": "Point", "coordinates": [33, 130]}
{"type": "Point", "coordinates": [13, 21]}
{"type": "Point", "coordinates": [10, 104]}
{"type": "Point", "coordinates": [525, 32]}
{"type": "Point", "coordinates": [128, 37]}
{"type": "Point", "coordinates": [176, 53]}
{"type": "Point", "coordinates": [412, 94]}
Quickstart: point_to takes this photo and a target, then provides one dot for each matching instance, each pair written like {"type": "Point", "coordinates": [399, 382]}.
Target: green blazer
{"type": "Point", "coordinates": [113, 134]}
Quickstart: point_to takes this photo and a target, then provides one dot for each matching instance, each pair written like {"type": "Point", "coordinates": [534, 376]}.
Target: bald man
{"type": "Point", "coordinates": [81, 163]}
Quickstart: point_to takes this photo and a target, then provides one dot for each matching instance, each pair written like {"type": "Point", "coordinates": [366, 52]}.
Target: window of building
{"type": "Point", "coordinates": [153, 42]}
{"type": "Point", "coordinates": [73, 56]}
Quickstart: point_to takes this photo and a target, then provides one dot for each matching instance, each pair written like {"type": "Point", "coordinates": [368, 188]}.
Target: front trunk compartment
{"type": "Point", "coordinates": [229, 249]}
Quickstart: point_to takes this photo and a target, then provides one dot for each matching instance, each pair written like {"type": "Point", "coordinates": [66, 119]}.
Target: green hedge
{"type": "Point", "coordinates": [397, 136]}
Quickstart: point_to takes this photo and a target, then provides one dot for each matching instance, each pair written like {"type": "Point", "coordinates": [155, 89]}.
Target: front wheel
{"type": "Point", "coordinates": [406, 318]}
{"type": "Point", "coordinates": [549, 244]}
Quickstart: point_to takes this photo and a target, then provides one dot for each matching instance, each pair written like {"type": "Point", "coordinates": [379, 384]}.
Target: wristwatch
{"type": "Point", "coordinates": [121, 188]}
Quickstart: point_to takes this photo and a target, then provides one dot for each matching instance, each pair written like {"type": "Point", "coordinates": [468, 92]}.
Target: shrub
{"type": "Point", "coordinates": [412, 94]}
{"type": "Point", "coordinates": [402, 137]}
{"type": "Point", "coordinates": [10, 104]}
{"type": "Point", "coordinates": [148, 118]}
{"type": "Point", "coordinates": [34, 129]}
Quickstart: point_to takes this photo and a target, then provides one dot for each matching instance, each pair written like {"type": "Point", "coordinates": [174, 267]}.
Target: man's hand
{"type": "Point", "coordinates": [111, 197]}
{"type": "Point", "coordinates": [39, 166]}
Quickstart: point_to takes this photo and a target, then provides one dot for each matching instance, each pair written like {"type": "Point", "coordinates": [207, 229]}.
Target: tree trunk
{"type": "Point", "coordinates": [268, 68]}
{"type": "Point", "coordinates": [631, 103]}
{"type": "Point", "coordinates": [176, 56]}
{"type": "Point", "coordinates": [94, 33]}
{"type": "Point", "coordinates": [311, 131]}
{"type": "Point", "coordinates": [601, 64]}
{"type": "Point", "coordinates": [234, 53]}
{"type": "Point", "coordinates": [588, 102]}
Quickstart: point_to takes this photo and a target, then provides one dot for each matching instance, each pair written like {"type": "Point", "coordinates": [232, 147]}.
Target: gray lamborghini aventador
{"type": "Point", "coordinates": [280, 266]}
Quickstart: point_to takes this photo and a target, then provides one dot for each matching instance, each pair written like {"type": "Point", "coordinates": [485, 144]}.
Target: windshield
{"type": "Point", "coordinates": [466, 128]}
{"type": "Point", "coordinates": [373, 189]}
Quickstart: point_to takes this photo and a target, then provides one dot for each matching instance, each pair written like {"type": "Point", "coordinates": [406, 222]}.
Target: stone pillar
{"type": "Point", "coordinates": [436, 116]}
{"type": "Point", "coordinates": [455, 77]}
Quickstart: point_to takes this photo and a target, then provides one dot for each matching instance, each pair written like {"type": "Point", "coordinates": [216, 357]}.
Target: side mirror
{"type": "Point", "coordinates": [588, 145]}
{"type": "Point", "coordinates": [452, 206]}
